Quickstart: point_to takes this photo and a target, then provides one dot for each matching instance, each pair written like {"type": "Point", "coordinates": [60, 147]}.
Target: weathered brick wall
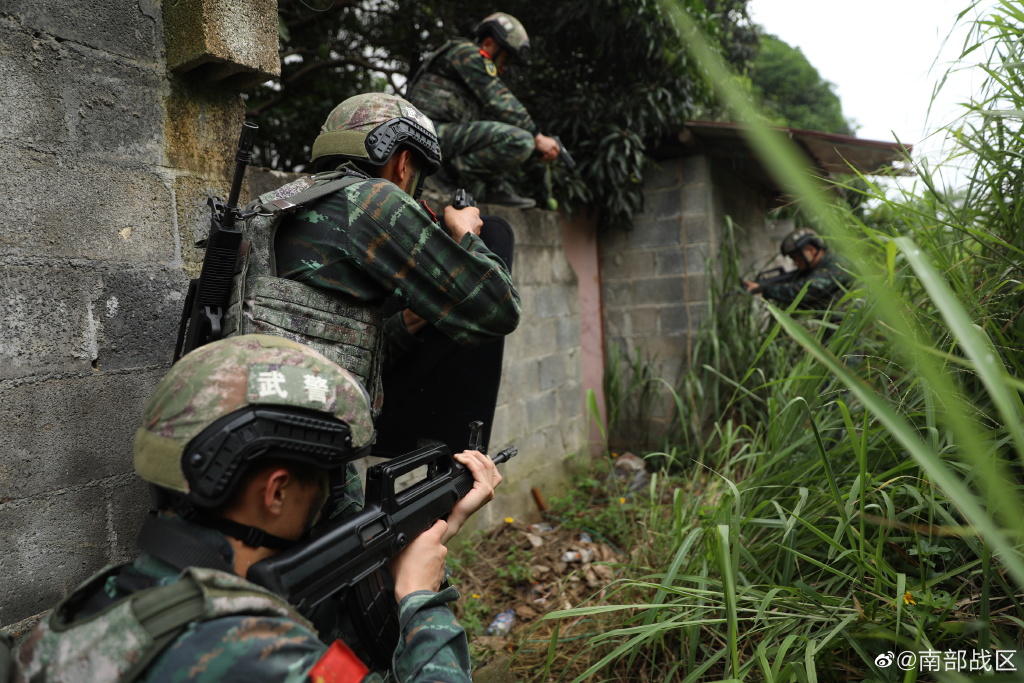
{"type": "Point", "coordinates": [107, 162]}
{"type": "Point", "coordinates": [110, 149]}
{"type": "Point", "coordinates": [655, 278]}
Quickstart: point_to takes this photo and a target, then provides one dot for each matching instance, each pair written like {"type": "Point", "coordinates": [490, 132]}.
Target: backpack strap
{"type": "Point", "coordinates": [165, 612]}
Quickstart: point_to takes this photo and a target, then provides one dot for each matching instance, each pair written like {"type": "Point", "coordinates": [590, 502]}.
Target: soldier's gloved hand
{"type": "Point", "coordinates": [486, 478]}
{"type": "Point", "coordinates": [420, 567]}
{"type": "Point", "coordinates": [462, 221]}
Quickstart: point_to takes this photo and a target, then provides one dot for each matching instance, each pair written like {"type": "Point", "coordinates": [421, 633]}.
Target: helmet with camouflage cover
{"type": "Point", "coordinates": [233, 402]}
{"type": "Point", "coordinates": [795, 241]}
{"type": "Point", "coordinates": [508, 32]}
{"type": "Point", "coordinates": [371, 127]}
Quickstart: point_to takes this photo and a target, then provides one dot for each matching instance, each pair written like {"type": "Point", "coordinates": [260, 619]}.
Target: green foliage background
{"type": "Point", "coordinates": [610, 77]}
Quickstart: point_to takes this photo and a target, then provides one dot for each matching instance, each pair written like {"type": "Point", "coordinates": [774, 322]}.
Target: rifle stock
{"type": "Point", "coordinates": [772, 276]}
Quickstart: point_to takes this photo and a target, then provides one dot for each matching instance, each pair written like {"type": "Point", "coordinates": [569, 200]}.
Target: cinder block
{"type": "Point", "coordinates": [698, 229]}
{"type": "Point", "coordinates": [664, 232]}
{"type": "Point", "coordinates": [539, 337]}
{"type": "Point", "coordinates": [643, 320]}
{"type": "Point", "coordinates": [116, 114]}
{"type": "Point", "coordinates": [665, 290]}
{"type": "Point", "coordinates": [618, 294]}
{"type": "Point", "coordinates": [78, 320]}
{"type": "Point", "coordinates": [659, 175]}
{"type": "Point", "coordinates": [129, 30]}
{"type": "Point", "coordinates": [48, 545]}
{"type": "Point", "coordinates": [33, 110]}
{"type": "Point", "coordinates": [229, 42]}
{"type": "Point", "coordinates": [696, 199]}
{"type": "Point", "coordinates": [696, 257]}
{"type": "Point", "coordinates": [567, 335]}
{"type": "Point", "coordinates": [667, 262]}
{"type": "Point", "coordinates": [659, 204]}
{"type": "Point", "coordinates": [100, 211]}
{"type": "Point", "coordinates": [554, 371]}
{"type": "Point", "coordinates": [695, 170]}
{"type": "Point", "coordinates": [541, 410]}
{"type": "Point", "coordinates": [673, 319]}
{"type": "Point", "coordinates": [61, 432]}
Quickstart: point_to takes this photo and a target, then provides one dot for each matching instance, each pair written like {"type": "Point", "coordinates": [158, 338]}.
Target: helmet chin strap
{"type": "Point", "coordinates": [249, 535]}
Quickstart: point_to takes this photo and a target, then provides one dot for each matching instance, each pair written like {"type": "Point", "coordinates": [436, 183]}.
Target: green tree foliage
{"type": "Point", "coordinates": [792, 92]}
{"type": "Point", "coordinates": [610, 77]}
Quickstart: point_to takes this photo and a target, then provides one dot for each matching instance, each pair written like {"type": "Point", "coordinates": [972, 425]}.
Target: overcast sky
{"type": "Point", "coordinates": [881, 55]}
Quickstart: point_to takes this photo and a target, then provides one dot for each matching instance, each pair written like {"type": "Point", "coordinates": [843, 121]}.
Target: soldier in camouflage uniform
{"type": "Point", "coordinates": [819, 270]}
{"type": "Point", "coordinates": [243, 441]}
{"type": "Point", "coordinates": [319, 273]}
{"type": "Point", "coordinates": [484, 130]}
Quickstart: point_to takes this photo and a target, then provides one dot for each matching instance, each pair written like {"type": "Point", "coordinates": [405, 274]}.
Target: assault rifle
{"type": "Point", "coordinates": [772, 276]}
{"type": "Point", "coordinates": [345, 556]}
{"type": "Point", "coordinates": [202, 316]}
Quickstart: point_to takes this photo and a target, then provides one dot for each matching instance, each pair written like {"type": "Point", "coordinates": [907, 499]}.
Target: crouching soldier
{"type": "Point", "coordinates": [245, 443]}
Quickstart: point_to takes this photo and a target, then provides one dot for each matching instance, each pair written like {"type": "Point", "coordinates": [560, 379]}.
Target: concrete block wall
{"type": "Point", "coordinates": [653, 276]}
{"type": "Point", "coordinates": [541, 402]}
{"type": "Point", "coordinates": [107, 163]}
{"type": "Point", "coordinates": [656, 278]}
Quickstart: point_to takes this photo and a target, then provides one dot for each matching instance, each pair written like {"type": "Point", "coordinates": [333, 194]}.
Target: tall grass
{"type": "Point", "coordinates": [849, 498]}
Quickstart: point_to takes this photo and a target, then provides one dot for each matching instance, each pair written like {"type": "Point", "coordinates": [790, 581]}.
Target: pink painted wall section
{"type": "Point", "coordinates": [581, 249]}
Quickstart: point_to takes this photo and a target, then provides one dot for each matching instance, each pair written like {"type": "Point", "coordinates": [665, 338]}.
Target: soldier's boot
{"type": "Point", "coordinates": [502, 193]}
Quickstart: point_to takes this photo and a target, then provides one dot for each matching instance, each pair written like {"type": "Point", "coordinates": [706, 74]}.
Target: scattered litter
{"type": "Point", "coordinates": [502, 624]}
{"type": "Point", "coordinates": [632, 471]}
{"type": "Point", "coordinates": [583, 555]}
{"type": "Point", "coordinates": [541, 528]}
{"type": "Point", "coordinates": [535, 540]}
{"type": "Point", "coordinates": [585, 538]}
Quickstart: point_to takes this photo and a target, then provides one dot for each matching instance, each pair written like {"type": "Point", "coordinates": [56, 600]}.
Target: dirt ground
{"type": "Point", "coordinates": [533, 570]}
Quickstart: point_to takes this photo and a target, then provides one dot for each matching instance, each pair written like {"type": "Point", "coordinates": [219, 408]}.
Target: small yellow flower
{"type": "Point", "coordinates": [476, 596]}
{"type": "Point", "coordinates": [908, 599]}
{"type": "Point", "coordinates": [509, 520]}
{"type": "Point", "coordinates": [622, 501]}
{"type": "Point", "coordinates": [615, 455]}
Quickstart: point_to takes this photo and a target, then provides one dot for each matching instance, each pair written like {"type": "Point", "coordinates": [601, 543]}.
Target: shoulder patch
{"type": "Point", "coordinates": [490, 68]}
{"type": "Point", "coordinates": [338, 665]}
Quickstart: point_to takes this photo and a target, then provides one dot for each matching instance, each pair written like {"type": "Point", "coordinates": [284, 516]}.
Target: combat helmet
{"type": "Point", "coordinates": [508, 32]}
{"type": "Point", "coordinates": [795, 241]}
{"type": "Point", "coordinates": [234, 402]}
{"type": "Point", "coordinates": [371, 127]}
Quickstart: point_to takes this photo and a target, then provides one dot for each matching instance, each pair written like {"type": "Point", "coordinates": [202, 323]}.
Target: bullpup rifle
{"type": "Point", "coordinates": [346, 557]}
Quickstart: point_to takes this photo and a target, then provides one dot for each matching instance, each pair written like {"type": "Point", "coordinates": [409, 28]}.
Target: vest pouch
{"type": "Point", "coordinates": [347, 332]}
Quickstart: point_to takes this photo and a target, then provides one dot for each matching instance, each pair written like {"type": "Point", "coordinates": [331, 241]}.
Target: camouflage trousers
{"type": "Point", "coordinates": [481, 152]}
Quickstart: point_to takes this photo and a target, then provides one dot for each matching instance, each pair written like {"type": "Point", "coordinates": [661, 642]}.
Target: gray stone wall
{"type": "Point", "coordinates": [655, 278]}
{"type": "Point", "coordinates": [107, 163]}
{"type": "Point", "coordinates": [541, 403]}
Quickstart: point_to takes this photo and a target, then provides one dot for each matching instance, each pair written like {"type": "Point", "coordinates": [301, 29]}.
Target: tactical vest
{"type": "Point", "coordinates": [345, 329]}
{"type": "Point", "coordinates": [119, 642]}
{"type": "Point", "coordinates": [437, 91]}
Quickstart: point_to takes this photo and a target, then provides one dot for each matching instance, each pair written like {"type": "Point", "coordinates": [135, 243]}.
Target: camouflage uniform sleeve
{"type": "Point", "coordinates": [239, 649]}
{"type": "Point", "coordinates": [433, 645]}
{"type": "Point", "coordinates": [374, 241]}
{"type": "Point", "coordinates": [823, 284]}
{"type": "Point", "coordinates": [499, 104]}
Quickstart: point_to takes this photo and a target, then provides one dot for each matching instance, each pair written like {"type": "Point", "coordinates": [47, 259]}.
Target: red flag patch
{"type": "Point", "coordinates": [338, 665]}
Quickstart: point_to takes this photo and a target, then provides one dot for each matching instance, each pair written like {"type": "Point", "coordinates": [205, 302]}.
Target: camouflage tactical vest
{"type": "Point", "coordinates": [120, 641]}
{"type": "Point", "coordinates": [439, 93]}
{"type": "Point", "coordinates": [344, 329]}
